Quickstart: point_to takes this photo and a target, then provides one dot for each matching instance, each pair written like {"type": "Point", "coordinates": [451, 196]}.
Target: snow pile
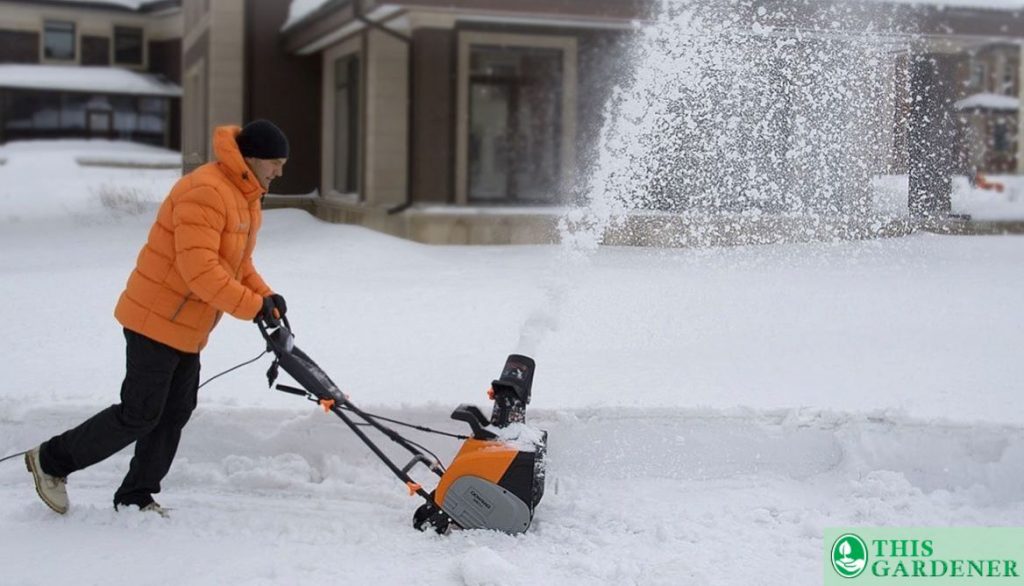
{"type": "Point", "coordinates": [998, 205]}
{"type": "Point", "coordinates": [46, 180]}
{"type": "Point", "coordinates": [300, 9]}
{"type": "Point", "coordinates": [86, 79]}
{"type": "Point", "coordinates": [987, 101]}
{"type": "Point", "coordinates": [519, 436]}
{"type": "Point", "coordinates": [129, 4]}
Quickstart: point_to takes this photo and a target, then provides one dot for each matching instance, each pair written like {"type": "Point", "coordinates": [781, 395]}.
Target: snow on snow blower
{"type": "Point", "coordinates": [497, 478]}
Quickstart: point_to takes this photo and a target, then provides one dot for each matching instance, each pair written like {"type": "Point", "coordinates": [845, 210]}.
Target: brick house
{"type": "Point", "coordinates": [96, 69]}
{"type": "Point", "coordinates": [989, 109]}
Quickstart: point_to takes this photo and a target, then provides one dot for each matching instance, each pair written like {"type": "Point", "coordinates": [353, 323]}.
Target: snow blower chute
{"type": "Point", "coordinates": [497, 478]}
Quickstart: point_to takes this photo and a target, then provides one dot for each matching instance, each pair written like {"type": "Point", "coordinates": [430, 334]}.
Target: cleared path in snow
{"type": "Point", "coordinates": [633, 497]}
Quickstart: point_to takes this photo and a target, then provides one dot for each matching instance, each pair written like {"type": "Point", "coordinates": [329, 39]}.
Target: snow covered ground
{"type": "Point", "coordinates": [1003, 201]}
{"type": "Point", "coordinates": [710, 411]}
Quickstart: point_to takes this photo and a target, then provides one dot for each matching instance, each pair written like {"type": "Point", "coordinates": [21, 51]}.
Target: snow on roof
{"type": "Point", "coordinates": [981, 4]}
{"type": "Point", "coordinates": [987, 101]}
{"type": "Point", "coordinates": [299, 9]}
{"type": "Point", "coordinates": [129, 4]}
{"type": "Point", "coordinates": [108, 80]}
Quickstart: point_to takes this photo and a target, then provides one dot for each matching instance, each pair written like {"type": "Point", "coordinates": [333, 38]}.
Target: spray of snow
{"type": "Point", "coordinates": [734, 124]}
{"type": "Point", "coordinates": [736, 113]}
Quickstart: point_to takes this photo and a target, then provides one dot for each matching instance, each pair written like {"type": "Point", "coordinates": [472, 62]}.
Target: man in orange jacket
{"type": "Point", "coordinates": [195, 266]}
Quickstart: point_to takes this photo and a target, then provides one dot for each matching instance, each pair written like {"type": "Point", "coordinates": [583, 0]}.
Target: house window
{"type": "Point", "coordinates": [346, 124]}
{"type": "Point", "coordinates": [1001, 137]}
{"type": "Point", "coordinates": [1009, 81]}
{"type": "Point", "coordinates": [72, 111]}
{"type": "Point", "coordinates": [153, 115]}
{"type": "Point", "coordinates": [31, 114]}
{"type": "Point", "coordinates": [515, 124]}
{"type": "Point", "coordinates": [127, 45]}
{"type": "Point", "coordinates": [48, 114]}
{"type": "Point", "coordinates": [979, 71]}
{"type": "Point", "coordinates": [59, 40]}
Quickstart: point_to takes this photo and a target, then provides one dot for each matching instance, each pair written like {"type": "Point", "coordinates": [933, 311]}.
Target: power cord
{"type": "Point", "coordinates": [13, 456]}
{"type": "Point", "coordinates": [233, 368]}
{"type": "Point", "coordinates": [412, 426]}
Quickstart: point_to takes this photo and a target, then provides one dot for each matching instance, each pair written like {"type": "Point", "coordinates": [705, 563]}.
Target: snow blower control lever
{"type": "Point", "coordinates": [496, 479]}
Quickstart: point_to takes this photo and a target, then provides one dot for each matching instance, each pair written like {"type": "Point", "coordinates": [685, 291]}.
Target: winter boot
{"type": "Point", "coordinates": [152, 507]}
{"type": "Point", "coordinates": [50, 488]}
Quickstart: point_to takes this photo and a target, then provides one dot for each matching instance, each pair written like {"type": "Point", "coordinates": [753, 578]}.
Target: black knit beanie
{"type": "Point", "coordinates": [261, 139]}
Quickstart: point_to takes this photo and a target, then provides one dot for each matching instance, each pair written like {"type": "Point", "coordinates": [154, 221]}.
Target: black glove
{"type": "Point", "coordinates": [282, 307]}
{"type": "Point", "coordinates": [269, 313]}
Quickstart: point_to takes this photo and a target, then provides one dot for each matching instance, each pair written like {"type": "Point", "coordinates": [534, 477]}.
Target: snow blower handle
{"type": "Point", "coordinates": [279, 337]}
{"type": "Point", "coordinates": [266, 328]}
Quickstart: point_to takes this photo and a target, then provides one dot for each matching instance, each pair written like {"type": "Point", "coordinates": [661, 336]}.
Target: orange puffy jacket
{"type": "Point", "coordinates": [197, 261]}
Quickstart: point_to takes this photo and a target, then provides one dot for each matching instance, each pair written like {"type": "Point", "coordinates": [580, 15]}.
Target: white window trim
{"type": "Point", "coordinates": [568, 47]}
{"type": "Point", "coordinates": [78, 42]}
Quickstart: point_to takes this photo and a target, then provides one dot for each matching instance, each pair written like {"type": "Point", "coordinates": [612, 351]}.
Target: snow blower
{"type": "Point", "coordinates": [494, 482]}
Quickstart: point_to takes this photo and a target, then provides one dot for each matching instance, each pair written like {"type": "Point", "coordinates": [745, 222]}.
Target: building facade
{"type": "Point", "coordinates": [989, 107]}
{"type": "Point", "coordinates": [455, 121]}
{"type": "Point", "coordinates": [460, 122]}
{"type": "Point", "coordinates": [438, 121]}
{"type": "Point", "coordinates": [235, 69]}
{"type": "Point", "coordinates": [90, 70]}
{"type": "Point", "coordinates": [446, 121]}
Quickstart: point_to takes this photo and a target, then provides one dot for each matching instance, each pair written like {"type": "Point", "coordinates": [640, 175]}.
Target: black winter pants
{"type": "Point", "coordinates": [158, 396]}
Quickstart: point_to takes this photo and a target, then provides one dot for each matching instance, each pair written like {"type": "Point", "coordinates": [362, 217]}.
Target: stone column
{"type": "Point", "coordinates": [1020, 109]}
{"type": "Point", "coordinates": [932, 149]}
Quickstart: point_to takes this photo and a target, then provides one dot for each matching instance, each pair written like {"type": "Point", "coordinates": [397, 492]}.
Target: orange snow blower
{"type": "Point", "coordinates": [497, 478]}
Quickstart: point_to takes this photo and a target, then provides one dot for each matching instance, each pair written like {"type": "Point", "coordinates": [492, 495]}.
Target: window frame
{"type": "Point", "coordinates": [1008, 79]}
{"type": "Point", "coordinates": [119, 31]}
{"type": "Point", "coordinates": [351, 87]}
{"type": "Point", "coordinates": [47, 31]}
{"type": "Point", "coordinates": [1002, 137]}
{"type": "Point", "coordinates": [979, 75]}
{"type": "Point", "coordinates": [514, 85]}
{"type": "Point", "coordinates": [354, 47]}
{"type": "Point", "coordinates": [568, 45]}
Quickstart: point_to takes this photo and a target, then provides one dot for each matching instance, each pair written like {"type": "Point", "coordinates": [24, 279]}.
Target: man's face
{"type": "Point", "coordinates": [266, 170]}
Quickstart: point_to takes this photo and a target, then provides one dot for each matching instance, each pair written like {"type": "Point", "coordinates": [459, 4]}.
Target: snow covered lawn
{"type": "Point", "coordinates": [980, 204]}
{"type": "Point", "coordinates": [710, 411]}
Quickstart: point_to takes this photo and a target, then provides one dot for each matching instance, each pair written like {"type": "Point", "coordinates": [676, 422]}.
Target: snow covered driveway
{"type": "Point", "coordinates": [710, 411]}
